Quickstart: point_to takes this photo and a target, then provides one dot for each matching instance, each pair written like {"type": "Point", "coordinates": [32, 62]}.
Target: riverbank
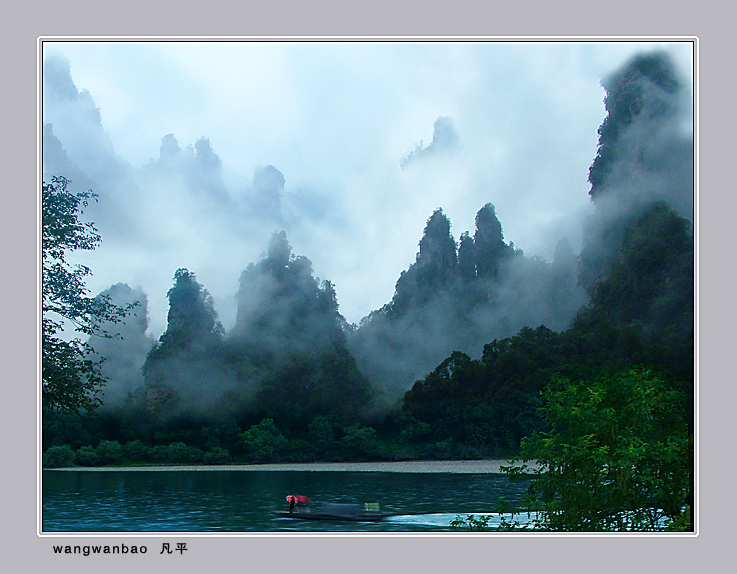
{"type": "Point", "coordinates": [416, 466]}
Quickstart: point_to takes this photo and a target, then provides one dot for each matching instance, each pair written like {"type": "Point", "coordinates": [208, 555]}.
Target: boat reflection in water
{"type": "Point", "coordinates": [369, 512]}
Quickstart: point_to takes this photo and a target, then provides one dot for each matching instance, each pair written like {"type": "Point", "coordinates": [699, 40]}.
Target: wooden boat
{"type": "Point", "coordinates": [336, 511]}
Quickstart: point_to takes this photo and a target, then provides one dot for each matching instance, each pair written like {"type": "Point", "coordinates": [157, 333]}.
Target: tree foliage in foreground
{"type": "Point", "coordinates": [618, 455]}
{"type": "Point", "coordinates": [71, 377]}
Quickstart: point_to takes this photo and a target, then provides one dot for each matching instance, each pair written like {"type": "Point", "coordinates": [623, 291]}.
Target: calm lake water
{"type": "Point", "coordinates": [247, 501]}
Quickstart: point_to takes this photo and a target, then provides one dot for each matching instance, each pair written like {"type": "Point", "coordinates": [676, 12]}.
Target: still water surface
{"type": "Point", "coordinates": [238, 501]}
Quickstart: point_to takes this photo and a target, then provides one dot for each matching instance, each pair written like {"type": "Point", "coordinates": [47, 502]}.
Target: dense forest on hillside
{"type": "Point", "coordinates": [457, 364]}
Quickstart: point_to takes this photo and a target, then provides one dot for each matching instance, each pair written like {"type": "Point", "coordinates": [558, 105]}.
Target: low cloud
{"type": "Point", "coordinates": [222, 179]}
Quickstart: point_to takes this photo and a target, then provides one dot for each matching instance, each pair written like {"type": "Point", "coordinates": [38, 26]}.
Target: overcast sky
{"type": "Point", "coordinates": [518, 128]}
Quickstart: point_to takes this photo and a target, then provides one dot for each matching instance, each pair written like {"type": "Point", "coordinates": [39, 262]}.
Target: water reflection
{"type": "Point", "coordinates": [247, 501]}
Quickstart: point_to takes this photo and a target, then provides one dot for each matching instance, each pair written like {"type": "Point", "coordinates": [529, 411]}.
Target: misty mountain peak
{"type": "Point", "coordinates": [279, 251]}
{"type": "Point", "coordinates": [205, 155]}
{"type": "Point", "coordinates": [642, 92]}
{"type": "Point", "coordinates": [169, 147]}
{"type": "Point", "coordinates": [437, 246]}
{"type": "Point", "coordinates": [268, 179]}
{"type": "Point", "coordinates": [489, 242]}
{"type": "Point", "coordinates": [445, 139]}
{"type": "Point", "coordinates": [57, 79]}
{"type": "Point", "coordinates": [192, 318]}
{"type": "Point", "coordinates": [266, 195]}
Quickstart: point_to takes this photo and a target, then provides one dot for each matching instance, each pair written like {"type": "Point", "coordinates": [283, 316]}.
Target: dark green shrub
{"type": "Point", "coordinates": [415, 431]}
{"type": "Point", "coordinates": [441, 450]}
{"type": "Point", "coordinates": [467, 452]}
{"type": "Point", "coordinates": [218, 455]}
{"type": "Point", "coordinates": [179, 452]}
{"type": "Point", "coordinates": [109, 452]}
{"type": "Point", "coordinates": [322, 436]}
{"type": "Point", "coordinates": [160, 453]}
{"type": "Point", "coordinates": [301, 450]}
{"type": "Point", "coordinates": [87, 456]}
{"type": "Point", "coordinates": [359, 441]}
{"type": "Point", "coordinates": [58, 457]}
{"type": "Point", "coordinates": [195, 454]}
{"type": "Point", "coordinates": [264, 442]}
{"type": "Point", "coordinates": [136, 451]}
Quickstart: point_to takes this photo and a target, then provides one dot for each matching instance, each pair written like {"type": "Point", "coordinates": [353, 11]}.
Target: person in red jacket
{"type": "Point", "coordinates": [297, 500]}
{"type": "Point", "coordinates": [292, 500]}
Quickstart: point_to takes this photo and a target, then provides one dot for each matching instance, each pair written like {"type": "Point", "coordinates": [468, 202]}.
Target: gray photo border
{"type": "Point", "coordinates": [26, 549]}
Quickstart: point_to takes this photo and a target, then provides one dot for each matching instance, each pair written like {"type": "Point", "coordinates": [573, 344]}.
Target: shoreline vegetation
{"type": "Point", "coordinates": [491, 466]}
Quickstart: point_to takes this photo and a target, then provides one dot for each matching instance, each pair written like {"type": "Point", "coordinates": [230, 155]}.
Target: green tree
{"type": "Point", "coordinates": [109, 452]}
{"type": "Point", "coordinates": [360, 441]}
{"type": "Point", "coordinates": [58, 457]}
{"type": "Point", "coordinates": [87, 456]}
{"type": "Point", "coordinates": [71, 378]}
{"type": "Point", "coordinates": [618, 455]}
{"type": "Point", "coordinates": [136, 451]}
{"type": "Point", "coordinates": [304, 385]}
{"type": "Point", "coordinates": [218, 455]}
{"type": "Point", "coordinates": [264, 442]}
{"type": "Point", "coordinates": [643, 310]}
{"type": "Point", "coordinates": [322, 436]}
